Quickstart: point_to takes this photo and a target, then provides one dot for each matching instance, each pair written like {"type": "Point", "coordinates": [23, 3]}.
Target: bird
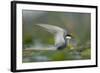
{"type": "Point", "coordinates": [61, 36]}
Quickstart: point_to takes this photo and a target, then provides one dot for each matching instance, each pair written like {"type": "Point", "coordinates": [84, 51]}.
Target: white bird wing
{"type": "Point", "coordinates": [51, 28]}
{"type": "Point", "coordinates": [57, 31]}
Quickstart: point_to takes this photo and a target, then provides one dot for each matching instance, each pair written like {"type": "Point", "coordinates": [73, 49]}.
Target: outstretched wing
{"type": "Point", "coordinates": [51, 28]}
{"type": "Point", "coordinates": [57, 31]}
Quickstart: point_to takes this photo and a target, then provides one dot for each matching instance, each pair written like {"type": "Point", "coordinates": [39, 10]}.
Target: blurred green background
{"type": "Point", "coordinates": [77, 24]}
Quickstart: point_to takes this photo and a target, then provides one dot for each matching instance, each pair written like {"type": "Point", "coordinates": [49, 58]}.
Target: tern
{"type": "Point", "coordinates": [61, 37]}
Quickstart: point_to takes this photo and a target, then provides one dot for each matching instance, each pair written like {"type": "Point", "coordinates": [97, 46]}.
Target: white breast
{"type": "Point", "coordinates": [59, 39]}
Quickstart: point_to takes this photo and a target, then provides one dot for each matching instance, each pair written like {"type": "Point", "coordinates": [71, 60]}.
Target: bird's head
{"type": "Point", "coordinates": [68, 36]}
{"type": "Point", "coordinates": [71, 41]}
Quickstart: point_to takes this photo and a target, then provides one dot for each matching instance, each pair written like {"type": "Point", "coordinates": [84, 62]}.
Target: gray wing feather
{"type": "Point", "coordinates": [57, 31]}
{"type": "Point", "coordinates": [51, 28]}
